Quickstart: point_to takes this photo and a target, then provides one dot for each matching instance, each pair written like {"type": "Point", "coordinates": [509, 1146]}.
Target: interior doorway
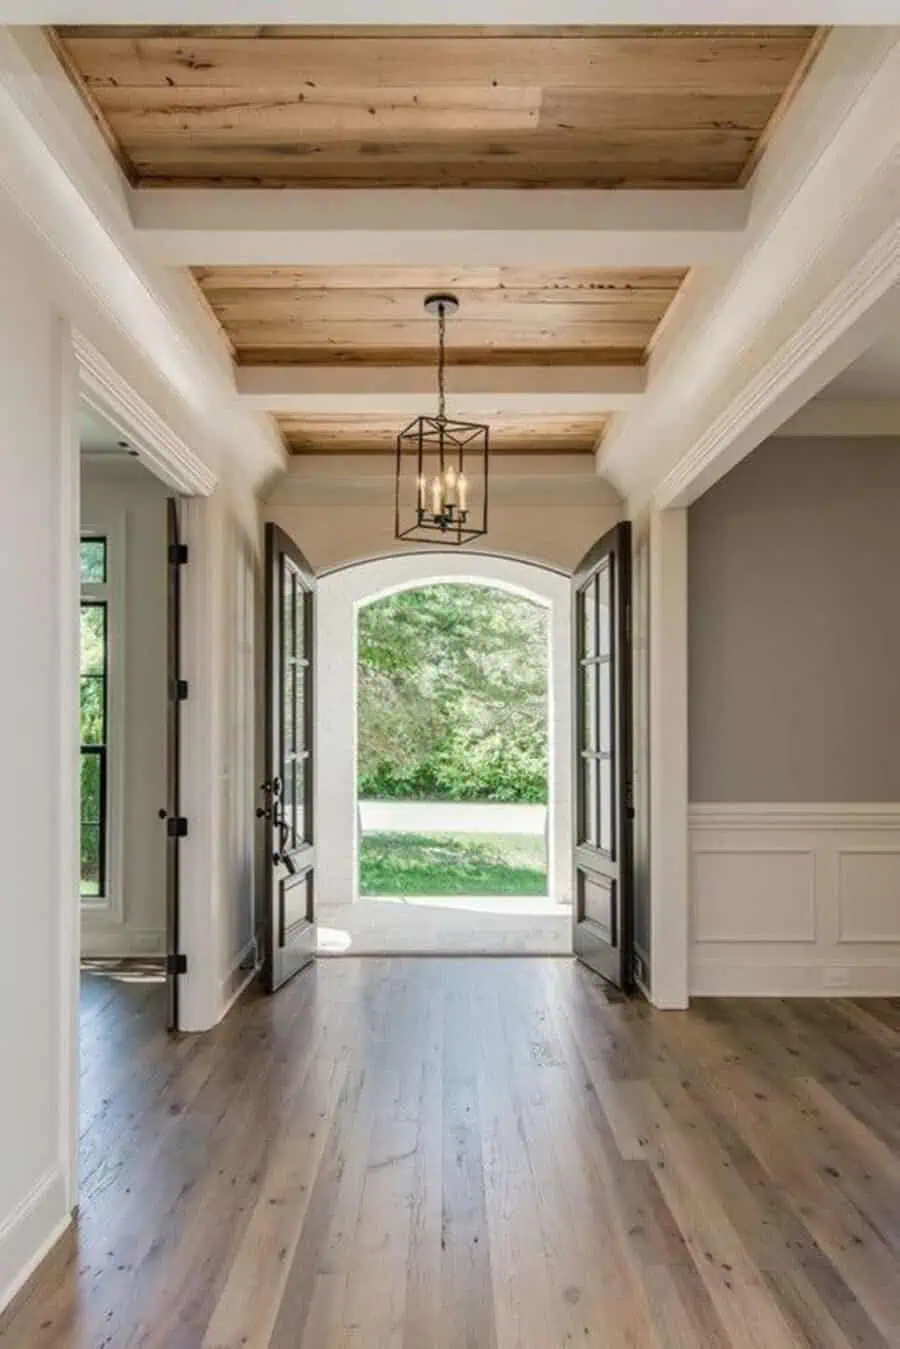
{"type": "Point", "coordinates": [444, 715]}
{"type": "Point", "coordinates": [124, 894]}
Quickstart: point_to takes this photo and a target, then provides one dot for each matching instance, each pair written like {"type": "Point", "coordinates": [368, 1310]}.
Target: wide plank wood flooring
{"type": "Point", "coordinates": [479, 1154]}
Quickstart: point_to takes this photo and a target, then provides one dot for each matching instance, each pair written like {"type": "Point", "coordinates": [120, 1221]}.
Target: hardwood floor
{"type": "Point", "coordinates": [480, 1154]}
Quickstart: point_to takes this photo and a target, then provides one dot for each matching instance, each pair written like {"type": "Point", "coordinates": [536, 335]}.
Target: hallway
{"type": "Point", "coordinates": [477, 1154]}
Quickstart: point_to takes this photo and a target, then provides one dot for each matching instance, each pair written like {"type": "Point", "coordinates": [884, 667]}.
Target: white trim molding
{"type": "Point", "coordinates": [521, 13]}
{"type": "Point", "coordinates": [340, 595]}
{"type": "Point", "coordinates": [668, 785]}
{"type": "Point", "coordinates": [795, 899]}
{"type": "Point", "coordinates": [159, 448]}
{"type": "Point", "coordinates": [31, 1231]}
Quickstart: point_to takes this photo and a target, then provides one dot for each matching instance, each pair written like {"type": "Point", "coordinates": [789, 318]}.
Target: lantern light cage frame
{"type": "Point", "coordinates": [440, 448]}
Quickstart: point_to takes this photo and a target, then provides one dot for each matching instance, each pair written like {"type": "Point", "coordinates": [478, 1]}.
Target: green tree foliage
{"type": "Point", "coordinates": [453, 696]}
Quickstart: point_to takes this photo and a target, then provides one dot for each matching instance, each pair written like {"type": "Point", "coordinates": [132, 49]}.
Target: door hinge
{"type": "Point", "coordinates": [176, 826]}
{"type": "Point", "coordinates": [176, 964]}
{"type": "Point", "coordinates": [179, 690]}
{"type": "Point", "coordinates": [178, 553]}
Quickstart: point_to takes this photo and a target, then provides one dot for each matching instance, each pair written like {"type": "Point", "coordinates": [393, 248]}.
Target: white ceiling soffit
{"type": "Point", "coordinates": [816, 281]}
{"type": "Point", "coordinates": [415, 227]}
{"type": "Point", "coordinates": [97, 436]}
{"type": "Point", "coordinates": [520, 13]}
{"type": "Point", "coordinates": [472, 390]}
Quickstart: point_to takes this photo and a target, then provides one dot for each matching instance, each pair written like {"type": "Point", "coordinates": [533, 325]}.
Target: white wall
{"type": "Point", "coordinates": [122, 500]}
{"type": "Point", "coordinates": [338, 597]}
{"type": "Point", "coordinates": [37, 843]}
{"type": "Point", "coordinates": [547, 509]}
{"type": "Point", "coordinates": [39, 912]}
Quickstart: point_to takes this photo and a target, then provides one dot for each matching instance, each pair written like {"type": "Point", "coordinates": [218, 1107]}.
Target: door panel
{"type": "Point", "coordinates": [289, 937]}
{"type": "Point", "coordinates": [602, 917]}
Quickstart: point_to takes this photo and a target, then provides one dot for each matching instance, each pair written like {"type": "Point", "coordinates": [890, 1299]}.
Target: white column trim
{"type": "Point", "coordinates": [669, 914]}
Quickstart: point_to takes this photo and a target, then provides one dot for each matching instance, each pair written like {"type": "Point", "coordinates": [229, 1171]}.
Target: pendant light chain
{"type": "Point", "coordinates": [442, 334]}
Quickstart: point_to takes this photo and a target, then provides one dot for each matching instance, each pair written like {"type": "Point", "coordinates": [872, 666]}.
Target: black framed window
{"type": "Point", "coordinates": [296, 673]}
{"type": "Point", "coordinates": [94, 717]}
{"type": "Point", "coordinates": [596, 749]}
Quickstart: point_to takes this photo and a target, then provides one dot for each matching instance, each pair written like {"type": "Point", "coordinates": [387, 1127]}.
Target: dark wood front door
{"type": "Point", "coordinates": [603, 907]}
{"type": "Point", "coordinates": [289, 933]}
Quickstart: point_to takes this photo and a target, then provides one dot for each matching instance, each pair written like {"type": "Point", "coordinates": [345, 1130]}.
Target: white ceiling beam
{"type": "Point", "coordinates": [817, 280]}
{"type": "Point", "coordinates": [443, 227]}
{"type": "Point", "coordinates": [521, 13]}
{"type": "Point", "coordinates": [471, 389]}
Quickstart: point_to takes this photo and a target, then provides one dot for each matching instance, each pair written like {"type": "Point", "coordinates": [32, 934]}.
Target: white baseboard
{"type": "Point", "coordinates": [795, 900]}
{"type": "Point", "coordinates": [243, 971]}
{"type": "Point", "coordinates": [29, 1233]}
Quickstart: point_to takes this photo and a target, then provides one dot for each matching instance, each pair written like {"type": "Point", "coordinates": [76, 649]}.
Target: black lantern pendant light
{"type": "Point", "coordinates": [441, 488]}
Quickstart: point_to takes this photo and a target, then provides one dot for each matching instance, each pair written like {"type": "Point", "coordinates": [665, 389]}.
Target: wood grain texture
{"type": "Point", "coordinates": [359, 315]}
{"type": "Point", "coordinates": [585, 107]}
{"type": "Point", "coordinates": [479, 1154]}
{"type": "Point", "coordinates": [359, 434]}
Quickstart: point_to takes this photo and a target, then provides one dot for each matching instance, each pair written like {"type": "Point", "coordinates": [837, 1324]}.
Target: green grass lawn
{"type": "Point", "coordinates": [452, 864]}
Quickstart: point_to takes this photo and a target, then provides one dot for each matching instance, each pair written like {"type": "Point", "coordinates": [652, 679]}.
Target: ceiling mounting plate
{"type": "Point", "coordinates": [436, 303]}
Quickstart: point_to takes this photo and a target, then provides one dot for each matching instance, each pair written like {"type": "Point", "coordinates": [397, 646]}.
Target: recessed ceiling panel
{"type": "Point", "coordinates": [601, 107]}
{"type": "Point", "coordinates": [288, 315]}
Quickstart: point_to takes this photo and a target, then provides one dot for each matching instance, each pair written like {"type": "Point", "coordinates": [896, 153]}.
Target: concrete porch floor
{"type": "Point", "coordinates": [446, 925]}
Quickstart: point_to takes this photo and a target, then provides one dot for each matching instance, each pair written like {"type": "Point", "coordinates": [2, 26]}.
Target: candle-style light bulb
{"type": "Point", "coordinates": [450, 477]}
{"type": "Point", "coordinates": [463, 487]}
{"type": "Point", "coordinates": [420, 481]}
{"type": "Point", "coordinates": [436, 498]}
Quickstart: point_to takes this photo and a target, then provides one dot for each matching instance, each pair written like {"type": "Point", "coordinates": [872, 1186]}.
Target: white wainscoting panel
{"type": "Point", "coordinates": [795, 899]}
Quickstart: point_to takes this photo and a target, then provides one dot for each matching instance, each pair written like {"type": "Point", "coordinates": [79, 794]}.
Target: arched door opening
{"type": "Point", "coordinates": [452, 783]}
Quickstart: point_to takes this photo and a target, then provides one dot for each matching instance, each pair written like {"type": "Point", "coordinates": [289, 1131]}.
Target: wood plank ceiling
{"type": "Point", "coordinates": [359, 315]}
{"type": "Point", "coordinates": [603, 107]}
{"type": "Point", "coordinates": [661, 108]}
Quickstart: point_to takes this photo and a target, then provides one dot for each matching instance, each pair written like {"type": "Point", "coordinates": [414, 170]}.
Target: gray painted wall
{"type": "Point", "coordinates": [794, 622]}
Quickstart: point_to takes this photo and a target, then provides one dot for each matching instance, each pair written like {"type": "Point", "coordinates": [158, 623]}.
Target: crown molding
{"type": "Point", "coordinates": [756, 410]}
{"type": "Point", "coordinates": [158, 446]}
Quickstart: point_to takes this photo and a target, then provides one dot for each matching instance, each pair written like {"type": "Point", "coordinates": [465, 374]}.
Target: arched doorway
{"type": "Point", "coordinates": [343, 593]}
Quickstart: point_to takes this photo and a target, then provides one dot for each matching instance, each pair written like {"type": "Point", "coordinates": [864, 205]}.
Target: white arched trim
{"type": "Point", "coordinates": [341, 594]}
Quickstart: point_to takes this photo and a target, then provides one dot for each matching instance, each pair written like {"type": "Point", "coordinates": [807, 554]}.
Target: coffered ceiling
{"type": "Point", "coordinates": [357, 111]}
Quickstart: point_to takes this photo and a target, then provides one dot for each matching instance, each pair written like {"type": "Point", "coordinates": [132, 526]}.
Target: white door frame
{"type": "Point", "coordinates": [340, 593]}
{"type": "Point", "coordinates": [86, 377]}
